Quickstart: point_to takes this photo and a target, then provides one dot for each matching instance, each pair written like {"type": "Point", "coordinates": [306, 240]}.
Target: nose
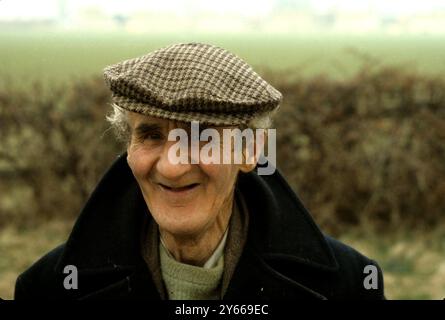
{"type": "Point", "coordinates": [169, 170]}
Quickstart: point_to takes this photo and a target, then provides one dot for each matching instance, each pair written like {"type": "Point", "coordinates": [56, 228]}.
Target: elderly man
{"type": "Point", "coordinates": [155, 228]}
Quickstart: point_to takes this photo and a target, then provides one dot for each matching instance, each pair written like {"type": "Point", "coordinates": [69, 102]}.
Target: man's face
{"type": "Point", "coordinates": [184, 199]}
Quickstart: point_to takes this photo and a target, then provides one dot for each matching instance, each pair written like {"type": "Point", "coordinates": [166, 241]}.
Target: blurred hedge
{"type": "Point", "coordinates": [55, 146]}
{"type": "Point", "coordinates": [369, 150]}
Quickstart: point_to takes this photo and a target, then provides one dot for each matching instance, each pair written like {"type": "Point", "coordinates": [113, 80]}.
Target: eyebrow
{"type": "Point", "coordinates": [143, 128]}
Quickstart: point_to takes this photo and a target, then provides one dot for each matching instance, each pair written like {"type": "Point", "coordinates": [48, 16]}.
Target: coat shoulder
{"type": "Point", "coordinates": [358, 277]}
{"type": "Point", "coordinates": [41, 280]}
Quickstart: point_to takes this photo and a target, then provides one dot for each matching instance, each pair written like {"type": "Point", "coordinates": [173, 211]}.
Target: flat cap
{"type": "Point", "coordinates": [191, 81]}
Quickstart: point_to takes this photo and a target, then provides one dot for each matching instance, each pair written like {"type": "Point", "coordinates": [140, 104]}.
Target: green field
{"type": "Point", "coordinates": [59, 56]}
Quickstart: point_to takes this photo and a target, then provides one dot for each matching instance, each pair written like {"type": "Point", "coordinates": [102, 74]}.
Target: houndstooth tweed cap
{"type": "Point", "coordinates": [191, 81]}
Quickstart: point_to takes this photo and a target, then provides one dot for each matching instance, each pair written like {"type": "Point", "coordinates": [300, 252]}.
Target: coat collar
{"type": "Point", "coordinates": [106, 236]}
{"type": "Point", "coordinates": [281, 227]}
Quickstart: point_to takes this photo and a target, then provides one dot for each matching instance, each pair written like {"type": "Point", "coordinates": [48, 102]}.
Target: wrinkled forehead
{"type": "Point", "coordinates": [137, 119]}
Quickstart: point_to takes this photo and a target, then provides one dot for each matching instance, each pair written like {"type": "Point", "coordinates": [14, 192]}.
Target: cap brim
{"type": "Point", "coordinates": [189, 116]}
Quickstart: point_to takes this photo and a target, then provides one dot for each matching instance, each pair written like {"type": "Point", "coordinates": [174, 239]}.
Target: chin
{"type": "Point", "coordinates": [182, 230]}
{"type": "Point", "coordinates": [182, 222]}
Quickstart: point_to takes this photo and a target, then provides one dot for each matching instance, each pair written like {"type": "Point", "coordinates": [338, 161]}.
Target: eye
{"type": "Point", "coordinates": [153, 136]}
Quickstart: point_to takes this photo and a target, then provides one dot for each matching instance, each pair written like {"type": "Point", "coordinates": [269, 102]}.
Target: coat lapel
{"type": "Point", "coordinates": [254, 279]}
{"type": "Point", "coordinates": [132, 284]}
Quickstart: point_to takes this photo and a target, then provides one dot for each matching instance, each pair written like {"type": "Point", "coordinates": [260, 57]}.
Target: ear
{"type": "Point", "coordinates": [129, 146]}
{"type": "Point", "coordinates": [251, 153]}
{"type": "Point", "coordinates": [128, 149]}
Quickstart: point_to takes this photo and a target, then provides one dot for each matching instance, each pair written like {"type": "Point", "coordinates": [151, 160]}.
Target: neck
{"type": "Point", "coordinates": [197, 249]}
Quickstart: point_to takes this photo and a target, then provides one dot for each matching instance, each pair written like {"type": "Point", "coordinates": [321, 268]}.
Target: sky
{"type": "Point", "coordinates": [16, 9]}
{"type": "Point", "coordinates": [41, 9]}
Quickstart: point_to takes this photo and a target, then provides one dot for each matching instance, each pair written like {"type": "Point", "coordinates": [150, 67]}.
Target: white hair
{"type": "Point", "coordinates": [118, 119]}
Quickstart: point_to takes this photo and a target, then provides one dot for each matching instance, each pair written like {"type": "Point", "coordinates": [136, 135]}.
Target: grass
{"type": "Point", "coordinates": [413, 263]}
{"type": "Point", "coordinates": [20, 247]}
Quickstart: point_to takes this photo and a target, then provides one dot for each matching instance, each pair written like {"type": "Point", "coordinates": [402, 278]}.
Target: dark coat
{"type": "Point", "coordinates": [285, 255]}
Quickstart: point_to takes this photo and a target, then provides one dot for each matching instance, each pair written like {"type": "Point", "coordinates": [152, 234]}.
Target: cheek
{"type": "Point", "coordinates": [222, 177]}
{"type": "Point", "coordinates": [139, 161]}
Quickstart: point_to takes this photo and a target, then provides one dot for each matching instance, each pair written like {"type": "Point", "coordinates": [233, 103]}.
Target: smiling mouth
{"type": "Point", "coordinates": [179, 189]}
